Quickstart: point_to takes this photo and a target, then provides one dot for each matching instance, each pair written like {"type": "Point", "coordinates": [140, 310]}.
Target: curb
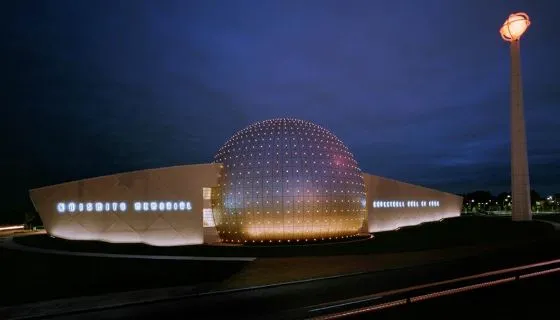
{"type": "Point", "coordinates": [9, 243]}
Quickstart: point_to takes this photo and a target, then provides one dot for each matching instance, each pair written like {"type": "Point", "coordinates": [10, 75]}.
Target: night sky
{"type": "Point", "coordinates": [418, 90]}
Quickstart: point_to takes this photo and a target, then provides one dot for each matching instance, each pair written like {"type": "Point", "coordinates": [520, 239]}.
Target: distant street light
{"type": "Point", "coordinates": [512, 30]}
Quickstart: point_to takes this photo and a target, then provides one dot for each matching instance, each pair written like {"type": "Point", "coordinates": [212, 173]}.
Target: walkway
{"type": "Point", "coordinates": [8, 243]}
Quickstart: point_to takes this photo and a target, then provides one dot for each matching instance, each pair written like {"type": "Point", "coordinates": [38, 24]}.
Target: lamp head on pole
{"type": "Point", "coordinates": [515, 25]}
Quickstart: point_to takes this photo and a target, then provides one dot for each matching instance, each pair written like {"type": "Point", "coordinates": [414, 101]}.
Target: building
{"type": "Point", "coordinates": [280, 180]}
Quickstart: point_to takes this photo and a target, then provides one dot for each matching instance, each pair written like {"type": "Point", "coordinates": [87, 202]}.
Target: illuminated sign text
{"type": "Point", "coordinates": [406, 204]}
{"type": "Point", "coordinates": [121, 206]}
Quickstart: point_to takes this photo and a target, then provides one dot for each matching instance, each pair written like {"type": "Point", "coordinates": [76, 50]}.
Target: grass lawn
{"type": "Point", "coordinates": [462, 231]}
{"type": "Point", "coordinates": [554, 217]}
{"type": "Point", "coordinates": [29, 277]}
{"type": "Point", "coordinates": [36, 277]}
{"type": "Point", "coordinates": [456, 238]}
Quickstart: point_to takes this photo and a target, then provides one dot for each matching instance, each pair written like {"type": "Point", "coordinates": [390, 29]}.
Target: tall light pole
{"type": "Point", "coordinates": [512, 30]}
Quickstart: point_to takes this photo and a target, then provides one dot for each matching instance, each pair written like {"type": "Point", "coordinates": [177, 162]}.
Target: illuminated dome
{"type": "Point", "coordinates": [287, 180]}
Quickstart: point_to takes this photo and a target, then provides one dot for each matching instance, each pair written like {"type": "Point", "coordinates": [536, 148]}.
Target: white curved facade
{"type": "Point", "coordinates": [166, 206]}
{"type": "Point", "coordinates": [393, 204]}
{"type": "Point", "coordinates": [160, 207]}
{"type": "Point", "coordinates": [276, 180]}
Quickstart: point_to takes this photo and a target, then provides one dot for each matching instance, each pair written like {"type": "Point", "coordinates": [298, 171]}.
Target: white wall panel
{"type": "Point", "coordinates": [160, 227]}
{"type": "Point", "coordinates": [390, 218]}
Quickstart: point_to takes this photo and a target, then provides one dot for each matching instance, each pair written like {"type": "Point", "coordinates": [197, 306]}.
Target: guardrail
{"type": "Point", "coordinates": [414, 294]}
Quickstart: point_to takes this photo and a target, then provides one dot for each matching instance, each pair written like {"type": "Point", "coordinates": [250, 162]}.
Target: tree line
{"type": "Point", "coordinates": [484, 201]}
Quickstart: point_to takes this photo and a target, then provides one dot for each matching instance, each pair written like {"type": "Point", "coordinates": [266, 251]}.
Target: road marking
{"type": "Point", "coordinates": [365, 309]}
{"type": "Point", "coordinates": [414, 299]}
{"type": "Point", "coordinates": [538, 273]}
{"type": "Point", "coordinates": [460, 289]}
{"type": "Point", "coordinates": [436, 294]}
{"type": "Point", "coordinates": [347, 303]}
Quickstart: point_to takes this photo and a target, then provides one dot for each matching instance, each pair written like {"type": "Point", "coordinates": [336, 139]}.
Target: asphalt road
{"type": "Point", "coordinates": [294, 301]}
{"type": "Point", "coordinates": [534, 298]}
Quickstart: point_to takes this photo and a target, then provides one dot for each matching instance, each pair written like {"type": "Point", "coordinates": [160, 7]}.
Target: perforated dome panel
{"type": "Point", "coordinates": [287, 179]}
